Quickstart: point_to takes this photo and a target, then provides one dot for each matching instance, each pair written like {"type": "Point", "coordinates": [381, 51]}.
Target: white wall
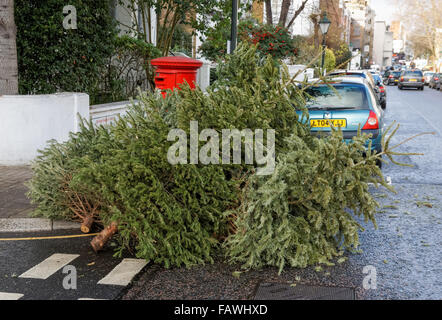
{"type": "Point", "coordinates": [104, 114]}
{"type": "Point", "coordinates": [28, 122]}
{"type": "Point", "coordinates": [301, 71]}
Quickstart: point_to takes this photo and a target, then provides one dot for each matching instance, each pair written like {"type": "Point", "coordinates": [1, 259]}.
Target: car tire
{"type": "Point", "coordinates": [399, 87]}
{"type": "Point", "coordinates": [422, 89]}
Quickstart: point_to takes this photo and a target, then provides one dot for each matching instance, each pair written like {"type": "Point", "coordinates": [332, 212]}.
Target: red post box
{"type": "Point", "coordinates": [172, 71]}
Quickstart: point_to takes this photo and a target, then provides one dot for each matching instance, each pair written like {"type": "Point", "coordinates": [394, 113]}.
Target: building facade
{"type": "Point", "coordinates": [382, 44]}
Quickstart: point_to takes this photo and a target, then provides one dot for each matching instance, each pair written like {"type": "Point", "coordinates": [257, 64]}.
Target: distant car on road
{"type": "Point", "coordinates": [428, 75]}
{"type": "Point", "coordinates": [435, 81]}
{"type": "Point", "coordinates": [381, 90]}
{"type": "Point", "coordinates": [392, 77]}
{"type": "Point", "coordinates": [412, 79]}
{"type": "Point", "coordinates": [366, 74]}
{"type": "Point", "coordinates": [350, 105]}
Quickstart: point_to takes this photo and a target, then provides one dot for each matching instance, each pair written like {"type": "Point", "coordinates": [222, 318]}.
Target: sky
{"type": "Point", "coordinates": [385, 9]}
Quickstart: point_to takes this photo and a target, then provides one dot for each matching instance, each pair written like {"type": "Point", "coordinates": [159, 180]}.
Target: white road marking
{"type": "Point", "coordinates": [123, 273]}
{"type": "Point", "coordinates": [48, 267]}
{"type": "Point", "coordinates": [89, 299]}
{"type": "Point", "coordinates": [10, 296]}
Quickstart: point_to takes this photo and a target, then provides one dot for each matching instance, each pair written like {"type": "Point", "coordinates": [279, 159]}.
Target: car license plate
{"type": "Point", "coordinates": [413, 80]}
{"type": "Point", "coordinates": [325, 123]}
{"type": "Point", "coordinates": [396, 80]}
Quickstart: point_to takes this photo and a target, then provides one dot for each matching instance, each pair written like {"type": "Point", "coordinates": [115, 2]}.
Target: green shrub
{"type": "Point", "coordinates": [275, 41]}
{"type": "Point", "coordinates": [171, 215]}
{"type": "Point", "coordinates": [53, 59]}
{"type": "Point", "coordinates": [53, 188]}
{"type": "Point", "coordinates": [126, 71]}
{"type": "Point", "coordinates": [304, 213]}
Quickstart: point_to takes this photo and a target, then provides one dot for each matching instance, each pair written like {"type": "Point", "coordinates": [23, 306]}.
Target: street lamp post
{"type": "Point", "coordinates": [234, 27]}
{"type": "Point", "coordinates": [324, 24]}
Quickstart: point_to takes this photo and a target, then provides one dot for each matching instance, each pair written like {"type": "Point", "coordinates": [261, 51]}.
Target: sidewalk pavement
{"type": "Point", "coordinates": [15, 207]}
{"type": "Point", "coordinates": [13, 201]}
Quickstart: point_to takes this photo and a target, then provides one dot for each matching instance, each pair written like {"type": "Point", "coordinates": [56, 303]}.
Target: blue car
{"type": "Point", "coordinates": [350, 104]}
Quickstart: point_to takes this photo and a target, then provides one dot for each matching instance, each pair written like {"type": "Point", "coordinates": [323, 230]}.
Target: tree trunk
{"type": "Point", "coordinates": [8, 49]}
{"type": "Point", "coordinates": [285, 6]}
{"type": "Point", "coordinates": [269, 16]}
{"type": "Point", "coordinates": [100, 240]}
{"type": "Point", "coordinates": [297, 13]}
{"type": "Point", "coordinates": [315, 19]}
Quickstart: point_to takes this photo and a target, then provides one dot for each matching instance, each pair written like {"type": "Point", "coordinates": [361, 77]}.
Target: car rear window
{"type": "Point", "coordinates": [341, 96]}
{"type": "Point", "coordinates": [413, 73]}
{"type": "Point", "coordinates": [397, 73]}
{"type": "Point", "coordinates": [361, 75]}
{"type": "Point", "coordinates": [349, 74]}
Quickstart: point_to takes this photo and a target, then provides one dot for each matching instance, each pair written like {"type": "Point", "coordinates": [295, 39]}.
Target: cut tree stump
{"type": "Point", "coordinates": [87, 224]}
{"type": "Point", "coordinates": [100, 240]}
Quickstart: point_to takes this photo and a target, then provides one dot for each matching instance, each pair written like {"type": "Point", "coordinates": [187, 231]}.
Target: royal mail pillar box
{"type": "Point", "coordinates": [172, 71]}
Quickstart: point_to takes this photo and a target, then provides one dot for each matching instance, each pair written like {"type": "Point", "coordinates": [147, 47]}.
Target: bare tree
{"type": "Point", "coordinates": [284, 12]}
{"type": "Point", "coordinates": [8, 49]}
{"type": "Point", "coordinates": [269, 14]}
{"type": "Point", "coordinates": [423, 21]}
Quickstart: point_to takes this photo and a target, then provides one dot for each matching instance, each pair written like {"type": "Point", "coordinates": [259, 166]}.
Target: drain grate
{"type": "Point", "coordinates": [284, 291]}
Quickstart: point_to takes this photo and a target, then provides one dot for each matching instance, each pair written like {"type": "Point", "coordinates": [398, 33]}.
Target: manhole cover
{"type": "Point", "coordinates": [283, 291]}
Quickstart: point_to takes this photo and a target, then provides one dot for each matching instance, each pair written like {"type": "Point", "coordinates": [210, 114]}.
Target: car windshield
{"type": "Point", "coordinates": [413, 74]}
{"type": "Point", "coordinates": [341, 96]}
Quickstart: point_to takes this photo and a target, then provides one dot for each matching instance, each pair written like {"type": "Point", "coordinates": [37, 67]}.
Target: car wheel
{"type": "Point", "coordinates": [422, 89]}
{"type": "Point", "coordinates": [400, 87]}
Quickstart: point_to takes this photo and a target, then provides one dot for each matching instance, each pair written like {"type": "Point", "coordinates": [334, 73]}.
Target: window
{"type": "Point", "coordinates": [413, 73]}
{"type": "Point", "coordinates": [341, 96]}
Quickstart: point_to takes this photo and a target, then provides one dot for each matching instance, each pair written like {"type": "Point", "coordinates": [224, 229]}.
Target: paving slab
{"type": "Point", "coordinates": [13, 200]}
{"type": "Point", "coordinates": [16, 208]}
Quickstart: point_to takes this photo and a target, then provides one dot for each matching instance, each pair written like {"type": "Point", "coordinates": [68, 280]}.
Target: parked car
{"type": "Point", "coordinates": [351, 105]}
{"type": "Point", "coordinates": [366, 74]}
{"type": "Point", "coordinates": [435, 81]}
{"type": "Point", "coordinates": [380, 90]}
{"type": "Point", "coordinates": [428, 75]}
{"type": "Point", "coordinates": [412, 79]}
{"type": "Point", "coordinates": [392, 77]}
